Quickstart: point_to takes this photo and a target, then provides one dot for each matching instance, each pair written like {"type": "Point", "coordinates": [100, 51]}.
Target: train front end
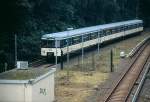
{"type": "Point", "coordinates": [50, 47]}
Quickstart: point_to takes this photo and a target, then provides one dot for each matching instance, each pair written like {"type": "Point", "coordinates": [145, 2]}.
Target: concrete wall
{"type": "Point", "coordinates": [41, 90]}
{"type": "Point", "coordinates": [12, 93]}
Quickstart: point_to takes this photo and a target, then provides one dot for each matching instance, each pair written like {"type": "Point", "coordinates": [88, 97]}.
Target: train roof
{"type": "Point", "coordinates": [86, 30]}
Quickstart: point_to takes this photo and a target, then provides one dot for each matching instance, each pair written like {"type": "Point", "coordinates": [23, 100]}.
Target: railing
{"type": "Point", "coordinates": [135, 50]}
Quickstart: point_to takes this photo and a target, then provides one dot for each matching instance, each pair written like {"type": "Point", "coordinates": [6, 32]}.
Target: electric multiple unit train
{"type": "Point", "coordinates": [74, 40]}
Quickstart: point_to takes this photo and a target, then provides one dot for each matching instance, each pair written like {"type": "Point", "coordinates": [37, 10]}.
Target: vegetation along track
{"type": "Point", "coordinates": [124, 86]}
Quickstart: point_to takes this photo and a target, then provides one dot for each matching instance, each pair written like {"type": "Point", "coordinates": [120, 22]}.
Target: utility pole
{"type": "Point", "coordinates": [61, 61]}
{"type": "Point", "coordinates": [82, 51]}
{"type": "Point", "coordinates": [111, 61]}
{"type": "Point", "coordinates": [98, 42]}
{"type": "Point", "coordinates": [93, 61]}
{"type": "Point", "coordinates": [68, 36]}
{"type": "Point", "coordinates": [15, 50]}
{"type": "Point", "coordinates": [56, 52]}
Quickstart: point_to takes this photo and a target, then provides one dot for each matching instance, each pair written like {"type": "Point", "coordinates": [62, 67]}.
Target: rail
{"type": "Point", "coordinates": [123, 76]}
{"type": "Point", "coordinates": [37, 62]}
{"type": "Point", "coordinates": [134, 99]}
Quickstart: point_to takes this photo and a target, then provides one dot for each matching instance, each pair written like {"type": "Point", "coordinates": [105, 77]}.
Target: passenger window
{"type": "Point", "coordinates": [118, 29]}
{"type": "Point", "coordinates": [86, 37]}
{"type": "Point", "coordinates": [48, 43]}
{"type": "Point", "coordinates": [76, 40]}
{"type": "Point", "coordinates": [141, 24]}
{"type": "Point", "coordinates": [93, 35]}
{"type": "Point", "coordinates": [122, 28]}
{"type": "Point", "coordinates": [107, 32]}
{"type": "Point", "coordinates": [113, 30]}
{"type": "Point", "coordinates": [64, 43]}
{"type": "Point", "coordinates": [100, 33]}
{"type": "Point", "coordinates": [126, 27]}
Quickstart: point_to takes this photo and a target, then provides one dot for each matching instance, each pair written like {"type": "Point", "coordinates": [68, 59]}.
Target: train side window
{"type": "Point", "coordinates": [64, 42]}
{"type": "Point", "coordinates": [48, 43]}
{"type": "Point", "coordinates": [61, 43]}
{"type": "Point", "coordinates": [93, 35]}
{"type": "Point", "coordinates": [107, 32]}
{"type": "Point", "coordinates": [86, 37]}
{"type": "Point", "coordinates": [134, 26]}
{"type": "Point", "coordinates": [44, 43]}
{"type": "Point", "coordinates": [90, 36]}
{"type": "Point", "coordinates": [76, 40]}
{"type": "Point", "coordinates": [113, 30]}
{"type": "Point", "coordinates": [137, 25]}
{"type": "Point", "coordinates": [104, 33]}
{"type": "Point", "coordinates": [122, 28]}
{"type": "Point", "coordinates": [70, 41]}
{"type": "Point", "coordinates": [141, 24]}
{"type": "Point", "coordinates": [118, 29]}
{"type": "Point", "coordinates": [126, 27]}
{"type": "Point", "coordinates": [129, 27]}
{"type": "Point", "coordinates": [100, 33]}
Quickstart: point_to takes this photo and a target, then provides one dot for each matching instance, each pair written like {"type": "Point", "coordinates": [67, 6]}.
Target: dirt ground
{"type": "Point", "coordinates": [79, 83]}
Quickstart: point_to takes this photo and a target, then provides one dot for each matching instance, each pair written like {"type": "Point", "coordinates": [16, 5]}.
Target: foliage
{"type": "Point", "coordinates": [29, 19]}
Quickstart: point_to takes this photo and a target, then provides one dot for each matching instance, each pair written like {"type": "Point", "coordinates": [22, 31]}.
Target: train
{"type": "Point", "coordinates": [61, 43]}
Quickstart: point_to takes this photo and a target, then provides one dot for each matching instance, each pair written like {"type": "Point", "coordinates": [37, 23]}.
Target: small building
{"type": "Point", "coordinates": [31, 85]}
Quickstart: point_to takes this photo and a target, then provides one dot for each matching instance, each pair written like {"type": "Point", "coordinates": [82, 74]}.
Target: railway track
{"type": "Point", "coordinates": [143, 81]}
{"type": "Point", "coordinates": [124, 86]}
{"type": "Point", "coordinates": [38, 62]}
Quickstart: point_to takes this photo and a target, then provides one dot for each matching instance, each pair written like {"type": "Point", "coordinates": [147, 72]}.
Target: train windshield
{"type": "Point", "coordinates": [48, 43]}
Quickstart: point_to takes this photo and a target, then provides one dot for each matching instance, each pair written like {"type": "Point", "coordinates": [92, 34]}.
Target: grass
{"type": "Point", "coordinates": [31, 73]}
{"type": "Point", "coordinates": [83, 81]}
{"type": "Point", "coordinates": [79, 87]}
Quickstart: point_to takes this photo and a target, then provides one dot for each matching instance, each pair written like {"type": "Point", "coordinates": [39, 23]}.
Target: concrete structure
{"type": "Point", "coordinates": [32, 85]}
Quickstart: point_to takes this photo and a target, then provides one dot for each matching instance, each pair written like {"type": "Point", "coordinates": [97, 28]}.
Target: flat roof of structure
{"type": "Point", "coordinates": [31, 73]}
